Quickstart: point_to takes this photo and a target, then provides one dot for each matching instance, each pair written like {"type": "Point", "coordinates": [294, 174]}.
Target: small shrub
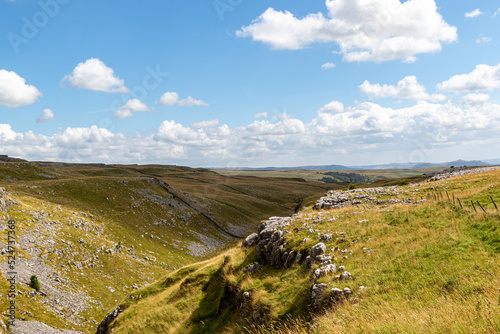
{"type": "Point", "coordinates": [352, 186]}
{"type": "Point", "coordinates": [34, 283]}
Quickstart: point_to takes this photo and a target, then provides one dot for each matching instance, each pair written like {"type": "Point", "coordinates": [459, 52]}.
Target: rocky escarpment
{"type": "Point", "coordinates": [272, 249]}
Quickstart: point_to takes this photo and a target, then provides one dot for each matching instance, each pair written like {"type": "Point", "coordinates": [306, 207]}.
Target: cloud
{"type": "Point", "coordinates": [190, 101]}
{"type": "Point", "coordinates": [365, 30]}
{"type": "Point", "coordinates": [261, 115]}
{"type": "Point", "coordinates": [420, 132]}
{"type": "Point", "coordinates": [47, 115]}
{"type": "Point", "coordinates": [327, 66]}
{"type": "Point", "coordinates": [169, 99]}
{"type": "Point", "coordinates": [484, 39]}
{"type": "Point", "coordinates": [95, 75]}
{"type": "Point", "coordinates": [475, 13]}
{"type": "Point", "coordinates": [496, 13]}
{"type": "Point", "coordinates": [407, 88]}
{"type": "Point", "coordinates": [172, 98]}
{"type": "Point", "coordinates": [14, 92]}
{"type": "Point", "coordinates": [132, 106]}
{"type": "Point", "coordinates": [483, 78]}
{"type": "Point", "coordinates": [205, 124]}
{"type": "Point", "coordinates": [332, 107]}
{"type": "Point", "coordinates": [472, 100]}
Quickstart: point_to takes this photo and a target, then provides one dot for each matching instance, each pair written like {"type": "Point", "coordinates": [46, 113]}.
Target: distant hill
{"type": "Point", "coordinates": [6, 158]}
{"type": "Point", "coordinates": [408, 165]}
{"type": "Point", "coordinates": [325, 167]}
{"type": "Point", "coordinates": [456, 163]}
{"type": "Point", "coordinates": [493, 161]}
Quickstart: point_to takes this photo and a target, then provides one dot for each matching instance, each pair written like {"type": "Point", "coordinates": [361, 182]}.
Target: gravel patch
{"type": "Point", "coordinates": [31, 327]}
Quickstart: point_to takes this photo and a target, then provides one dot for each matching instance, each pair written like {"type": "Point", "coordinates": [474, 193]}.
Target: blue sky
{"type": "Point", "coordinates": [231, 83]}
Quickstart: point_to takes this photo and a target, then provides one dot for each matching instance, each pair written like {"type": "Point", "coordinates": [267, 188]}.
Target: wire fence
{"type": "Point", "coordinates": [456, 200]}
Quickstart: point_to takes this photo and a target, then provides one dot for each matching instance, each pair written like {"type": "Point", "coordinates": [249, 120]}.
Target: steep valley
{"type": "Point", "coordinates": [92, 234]}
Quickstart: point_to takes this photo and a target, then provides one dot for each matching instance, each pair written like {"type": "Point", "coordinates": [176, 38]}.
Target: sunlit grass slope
{"type": "Point", "coordinates": [160, 217]}
{"type": "Point", "coordinates": [432, 267]}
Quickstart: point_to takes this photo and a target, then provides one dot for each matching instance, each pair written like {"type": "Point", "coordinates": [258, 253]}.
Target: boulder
{"type": "Point", "coordinates": [317, 293]}
{"type": "Point", "coordinates": [251, 240]}
{"type": "Point", "coordinates": [256, 266]}
{"type": "Point", "coordinates": [318, 249]}
{"type": "Point", "coordinates": [338, 295]}
{"type": "Point", "coordinates": [290, 257]}
{"type": "Point", "coordinates": [324, 259]}
{"type": "Point", "coordinates": [323, 271]}
{"type": "Point", "coordinates": [345, 276]}
{"type": "Point", "coordinates": [266, 233]}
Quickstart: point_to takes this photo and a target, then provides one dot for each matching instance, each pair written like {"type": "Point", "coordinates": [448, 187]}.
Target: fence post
{"type": "Point", "coordinates": [460, 203]}
{"type": "Point", "coordinates": [473, 205]}
{"type": "Point", "coordinates": [495, 204]}
{"type": "Point", "coordinates": [481, 206]}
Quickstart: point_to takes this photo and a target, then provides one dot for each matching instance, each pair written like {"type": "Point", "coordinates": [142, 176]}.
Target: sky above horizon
{"type": "Point", "coordinates": [238, 83]}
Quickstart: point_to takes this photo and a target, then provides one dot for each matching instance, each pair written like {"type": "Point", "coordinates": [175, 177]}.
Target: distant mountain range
{"type": "Point", "coordinates": [409, 165]}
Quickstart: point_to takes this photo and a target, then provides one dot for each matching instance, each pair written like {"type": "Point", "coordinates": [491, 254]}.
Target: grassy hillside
{"type": "Point", "coordinates": [93, 233]}
{"type": "Point", "coordinates": [418, 261]}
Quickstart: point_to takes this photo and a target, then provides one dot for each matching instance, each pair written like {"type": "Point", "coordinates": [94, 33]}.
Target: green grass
{"type": "Point", "coordinates": [129, 204]}
{"type": "Point", "coordinates": [427, 268]}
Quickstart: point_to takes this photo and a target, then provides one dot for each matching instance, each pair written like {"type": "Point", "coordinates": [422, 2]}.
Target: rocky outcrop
{"type": "Point", "coordinates": [271, 243]}
{"type": "Point", "coordinates": [6, 158]}
{"type": "Point", "coordinates": [5, 202]}
{"type": "Point", "coordinates": [376, 196]}
{"type": "Point", "coordinates": [108, 319]}
{"type": "Point", "coordinates": [454, 173]}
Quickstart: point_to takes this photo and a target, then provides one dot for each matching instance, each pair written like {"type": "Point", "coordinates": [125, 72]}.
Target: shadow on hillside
{"type": "Point", "coordinates": [217, 309]}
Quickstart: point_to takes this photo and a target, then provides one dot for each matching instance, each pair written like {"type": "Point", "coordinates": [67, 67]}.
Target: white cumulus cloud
{"type": "Point", "coordinates": [484, 39]}
{"type": "Point", "coordinates": [191, 101]}
{"type": "Point", "coordinates": [475, 13]}
{"type": "Point", "coordinates": [172, 98]}
{"type": "Point", "coordinates": [47, 115]}
{"type": "Point", "coordinates": [129, 108]}
{"type": "Point", "coordinates": [407, 88]}
{"type": "Point", "coordinates": [95, 75]}
{"type": "Point", "coordinates": [482, 78]}
{"type": "Point", "coordinates": [327, 66]}
{"type": "Point", "coordinates": [205, 124]}
{"type": "Point", "coordinates": [14, 92]}
{"type": "Point", "coordinates": [169, 99]}
{"type": "Point", "coordinates": [471, 100]}
{"type": "Point", "coordinates": [420, 132]}
{"type": "Point", "coordinates": [332, 107]}
{"type": "Point", "coordinates": [365, 30]}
